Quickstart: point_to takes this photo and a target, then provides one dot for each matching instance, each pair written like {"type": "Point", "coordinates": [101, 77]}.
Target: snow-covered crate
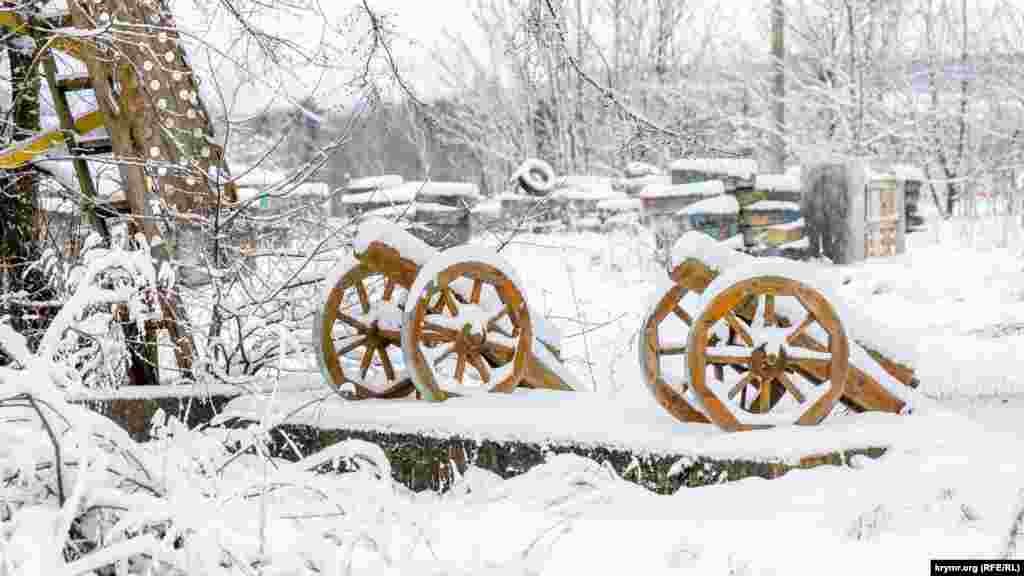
{"type": "Point", "coordinates": [370, 183]}
{"type": "Point", "coordinates": [733, 172]}
{"type": "Point", "coordinates": [785, 187]}
{"type": "Point", "coordinates": [717, 217]}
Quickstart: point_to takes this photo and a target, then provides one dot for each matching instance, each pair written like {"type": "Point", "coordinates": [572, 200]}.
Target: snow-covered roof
{"type": "Point", "coordinates": [374, 182]}
{"type": "Point", "coordinates": [435, 189]}
{"type": "Point", "coordinates": [623, 204]}
{"type": "Point", "coordinates": [778, 182]}
{"type": "Point", "coordinates": [723, 204]}
{"type": "Point", "coordinates": [396, 195]}
{"type": "Point", "coordinates": [489, 208]}
{"type": "Point", "coordinates": [410, 191]}
{"type": "Point", "coordinates": [709, 188]}
{"type": "Point", "coordinates": [770, 205]}
{"type": "Point", "coordinates": [744, 168]}
{"type": "Point", "coordinates": [410, 210]}
{"type": "Point", "coordinates": [586, 188]}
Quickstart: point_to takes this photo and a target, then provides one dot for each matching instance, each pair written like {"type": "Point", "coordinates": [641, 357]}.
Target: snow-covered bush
{"type": "Point", "coordinates": [106, 287]}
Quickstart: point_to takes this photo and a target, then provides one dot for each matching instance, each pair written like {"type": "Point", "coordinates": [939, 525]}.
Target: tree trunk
{"type": "Point", "coordinates": [17, 198]}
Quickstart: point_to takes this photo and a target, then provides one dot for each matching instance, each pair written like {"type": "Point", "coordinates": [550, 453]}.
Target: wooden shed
{"type": "Point", "coordinates": [734, 173]}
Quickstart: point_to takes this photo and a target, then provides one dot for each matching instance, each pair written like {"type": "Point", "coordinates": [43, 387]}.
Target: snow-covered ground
{"type": "Point", "coordinates": [951, 484]}
{"type": "Point", "coordinates": [949, 487]}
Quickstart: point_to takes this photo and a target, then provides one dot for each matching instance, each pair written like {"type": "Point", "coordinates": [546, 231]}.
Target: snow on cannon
{"type": "Point", "coordinates": [400, 317]}
{"type": "Point", "coordinates": [746, 343]}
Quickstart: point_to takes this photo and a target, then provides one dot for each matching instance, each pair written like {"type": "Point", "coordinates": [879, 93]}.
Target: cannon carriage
{"type": "Point", "coordinates": [732, 340]}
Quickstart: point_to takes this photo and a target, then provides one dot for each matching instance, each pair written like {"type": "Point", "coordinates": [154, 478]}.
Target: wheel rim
{"type": "Point", "coordinates": [359, 338]}
{"type": "Point", "coordinates": [662, 354]}
{"type": "Point", "coordinates": [767, 351]}
{"type": "Point", "coordinates": [664, 338]}
{"type": "Point", "coordinates": [470, 330]}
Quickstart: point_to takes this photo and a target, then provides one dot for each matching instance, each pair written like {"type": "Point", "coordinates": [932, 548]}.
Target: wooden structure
{"type": "Point", "coordinates": [147, 98]}
{"type": "Point", "coordinates": [661, 205]}
{"type": "Point", "coordinates": [770, 223]}
{"type": "Point", "coordinates": [747, 343]}
{"type": "Point", "coordinates": [717, 217]}
{"type": "Point", "coordinates": [439, 213]}
{"type": "Point", "coordinates": [734, 173]}
{"type": "Point", "coordinates": [402, 316]}
{"type": "Point", "coordinates": [853, 212]}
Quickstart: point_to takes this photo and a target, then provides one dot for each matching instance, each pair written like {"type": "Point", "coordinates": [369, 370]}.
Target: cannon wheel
{"type": "Point", "coordinates": [359, 322]}
{"type": "Point", "coordinates": [466, 325]}
{"type": "Point", "coordinates": [663, 342]}
{"type": "Point", "coordinates": [772, 373]}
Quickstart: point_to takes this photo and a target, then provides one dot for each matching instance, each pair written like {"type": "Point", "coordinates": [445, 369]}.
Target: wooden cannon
{"type": "Point", "coordinates": [747, 343]}
{"type": "Point", "coordinates": [401, 317]}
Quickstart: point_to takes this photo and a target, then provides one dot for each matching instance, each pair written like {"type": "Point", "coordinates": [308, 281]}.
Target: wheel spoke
{"type": "Point", "coordinates": [351, 347]}
{"type": "Point", "coordinates": [389, 289]}
{"type": "Point", "coordinates": [444, 331]}
{"type": "Point", "coordinates": [364, 297]}
{"type": "Point", "coordinates": [389, 369]}
{"type": "Point", "coordinates": [474, 296]}
{"type": "Point", "coordinates": [448, 352]}
{"type": "Point", "coordinates": [481, 367]}
{"type": "Point", "coordinates": [783, 378]}
{"type": "Point", "coordinates": [764, 399]}
{"type": "Point", "coordinates": [728, 355]}
{"type": "Point", "coordinates": [499, 349]}
{"type": "Point", "coordinates": [493, 321]}
{"type": "Point", "coordinates": [364, 366]}
{"type": "Point", "coordinates": [799, 330]}
{"type": "Point", "coordinates": [740, 385]}
{"type": "Point", "coordinates": [460, 366]}
{"type": "Point", "coordinates": [812, 365]}
{"type": "Point", "coordinates": [738, 327]}
{"type": "Point", "coordinates": [446, 294]}
{"type": "Point", "coordinates": [678, 310]}
{"type": "Point", "coordinates": [769, 310]}
{"type": "Point", "coordinates": [352, 322]}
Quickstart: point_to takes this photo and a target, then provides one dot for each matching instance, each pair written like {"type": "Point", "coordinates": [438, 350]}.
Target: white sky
{"type": "Point", "coordinates": [418, 27]}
